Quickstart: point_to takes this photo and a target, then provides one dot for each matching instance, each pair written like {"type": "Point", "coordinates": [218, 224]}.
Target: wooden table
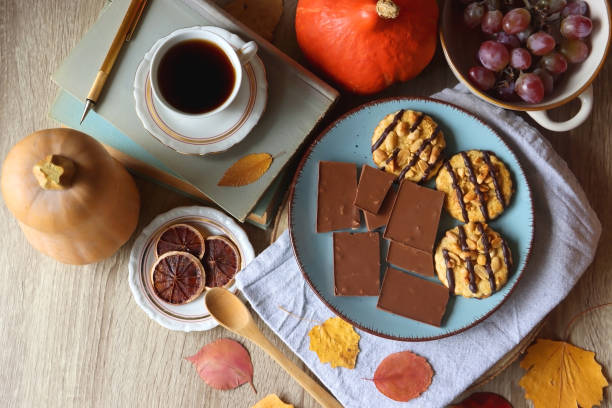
{"type": "Point", "coordinates": [73, 336]}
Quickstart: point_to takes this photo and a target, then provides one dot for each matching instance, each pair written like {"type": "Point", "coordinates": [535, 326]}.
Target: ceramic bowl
{"type": "Point", "coordinates": [460, 45]}
{"type": "Point", "coordinates": [191, 316]}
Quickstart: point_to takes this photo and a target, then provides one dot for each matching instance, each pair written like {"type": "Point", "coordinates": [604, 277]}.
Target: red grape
{"type": "Point", "coordinates": [493, 56]}
{"type": "Point", "coordinates": [482, 78]}
{"type": "Point", "coordinates": [530, 88]}
{"type": "Point", "coordinates": [550, 6]}
{"type": "Point", "coordinates": [506, 91]}
{"type": "Point", "coordinates": [554, 63]}
{"type": "Point", "coordinates": [520, 58]}
{"type": "Point", "coordinates": [556, 5]}
{"type": "Point", "coordinates": [540, 43]}
{"type": "Point", "coordinates": [578, 8]}
{"type": "Point", "coordinates": [472, 15]}
{"type": "Point", "coordinates": [516, 20]}
{"type": "Point", "coordinates": [575, 51]}
{"type": "Point", "coordinates": [492, 22]}
{"type": "Point", "coordinates": [575, 26]}
{"type": "Point", "coordinates": [509, 40]}
{"type": "Point", "coordinates": [546, 78]}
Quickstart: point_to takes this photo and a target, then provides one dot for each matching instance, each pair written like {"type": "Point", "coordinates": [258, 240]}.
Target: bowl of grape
{"type": "Point", "coordinates": [528, 55]}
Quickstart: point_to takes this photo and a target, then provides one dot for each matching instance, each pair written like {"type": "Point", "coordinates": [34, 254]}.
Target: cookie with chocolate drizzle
{"type": "Point", "coordinates": [473, 260]}
{"type": "Point", "coordinates": [477, 184]}
{"type": "Point", "coordinates": [408, 144]}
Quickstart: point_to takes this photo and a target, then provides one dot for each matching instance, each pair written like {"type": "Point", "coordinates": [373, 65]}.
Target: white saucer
{"type": "Point", "coordinates": [206, 134]}
{"type": "Point", "coordinates": [192, 316]}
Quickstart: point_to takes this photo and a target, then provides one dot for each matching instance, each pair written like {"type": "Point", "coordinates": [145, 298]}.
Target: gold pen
{"type": "Point", "coordinates": [126, 29]}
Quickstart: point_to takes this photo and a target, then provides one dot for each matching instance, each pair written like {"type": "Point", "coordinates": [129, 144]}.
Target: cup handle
{"type": "Point", "coordinates": [247, 52]}
{"type": "Point", "coordinates": [586, 106]}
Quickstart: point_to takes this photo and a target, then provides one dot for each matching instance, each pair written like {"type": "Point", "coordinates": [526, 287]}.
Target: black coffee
{"type": "Point", "coordinates": [195, 76]}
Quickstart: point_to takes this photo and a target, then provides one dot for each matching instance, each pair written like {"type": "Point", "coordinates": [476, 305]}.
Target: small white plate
{"type": "Point", "coordinates": [192, 316]}
{"type": "Point", "coordinates": [209, 134]}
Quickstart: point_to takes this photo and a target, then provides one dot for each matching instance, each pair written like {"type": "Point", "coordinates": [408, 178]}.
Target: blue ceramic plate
{"type": "Point", "coordinates": [348, 140]}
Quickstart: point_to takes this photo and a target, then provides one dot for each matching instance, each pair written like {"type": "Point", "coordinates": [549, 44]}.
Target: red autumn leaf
{"type": "Point", "coordinates": [224, 364]}
{"type": "Point", "coordinates": [483, 400]}
{"type": "Point", "coordinates": [403, 376]}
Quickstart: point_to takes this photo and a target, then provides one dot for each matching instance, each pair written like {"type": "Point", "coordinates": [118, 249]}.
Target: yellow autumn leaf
{"type": "Point", "coordinates": [261, 16]}
{"type": "Point", "coordinates": [271, 401]}
{"type": "Point", "coordinates": [560, 375]}
{"type": "Point", "coordinates": [335, 342]}
{"type": "Point", "coordinates": [246, 170]}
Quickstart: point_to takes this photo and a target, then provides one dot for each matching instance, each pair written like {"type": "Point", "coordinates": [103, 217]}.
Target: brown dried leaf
{"type": "Point", "coordinates": [262, 16]}
{"type": "Point", "coordinates": [246, 170]}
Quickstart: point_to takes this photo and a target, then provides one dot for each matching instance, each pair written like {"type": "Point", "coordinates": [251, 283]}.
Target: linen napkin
{"type": "Point", "coordinates": [566, 235]}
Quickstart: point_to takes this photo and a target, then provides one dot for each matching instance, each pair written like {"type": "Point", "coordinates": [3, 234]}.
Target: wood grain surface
{"type": "Point", "coordinates": [74, 337]}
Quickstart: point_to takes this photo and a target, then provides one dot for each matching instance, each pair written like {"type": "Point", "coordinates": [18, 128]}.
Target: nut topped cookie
{"type": "Point", "coordinates": [473, 260]}
{"type": "Point", "coordinates": [408, 144]}
{"type": "Point", "coordinates": [477, 184]}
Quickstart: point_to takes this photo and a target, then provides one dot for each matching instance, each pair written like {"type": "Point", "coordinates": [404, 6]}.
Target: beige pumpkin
{"type": "Point", "coordinates": [74, 202]}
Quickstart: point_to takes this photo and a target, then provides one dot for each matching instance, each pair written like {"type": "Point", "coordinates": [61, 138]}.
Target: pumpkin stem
{"type": "Point", "coordinates": [387, 9]}
{"type": "Point", "coordinates": [54, 172]}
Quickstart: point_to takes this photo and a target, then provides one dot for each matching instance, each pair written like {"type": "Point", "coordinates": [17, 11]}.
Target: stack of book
{"type": "Point", "coordinates": [297, 100]}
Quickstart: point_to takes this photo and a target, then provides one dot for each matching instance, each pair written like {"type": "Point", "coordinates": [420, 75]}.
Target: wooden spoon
{"type": "Point", "coordinates": [232, 314]}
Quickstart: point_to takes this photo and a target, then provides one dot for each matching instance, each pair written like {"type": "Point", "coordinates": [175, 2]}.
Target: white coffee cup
{"type": "Point", "coordinates": [237, 58]}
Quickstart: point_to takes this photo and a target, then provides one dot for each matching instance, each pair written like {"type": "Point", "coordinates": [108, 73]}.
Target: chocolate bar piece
{"type": "Point", "coordinates": [372, 188]}
{"type": "Point", "coordinates": [412, 297]}
{"type": "Point", "coordinates": [337, 189]}
{"type": "Point", "coordinates": [415, 216]}
{"type": "Point", "coordinates": [356, 263]}
{"type": "Point", "coordinates": [374, 221]}
{"type": "Point", "coordinates": [411, 259]}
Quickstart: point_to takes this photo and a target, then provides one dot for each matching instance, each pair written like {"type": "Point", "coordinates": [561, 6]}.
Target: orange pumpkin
{"type": "Point", "coordinates": [74, 202]}
{"type": "Point", "coordinates": [365, 45]}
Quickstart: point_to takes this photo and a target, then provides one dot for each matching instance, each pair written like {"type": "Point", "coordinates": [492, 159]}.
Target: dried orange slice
{"type": "Point", "coordinates": [180, 237]}
{"type": "Point", "coordinates": [177, 277]}
{"type": "Point", "coordinates": [222, 261]}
